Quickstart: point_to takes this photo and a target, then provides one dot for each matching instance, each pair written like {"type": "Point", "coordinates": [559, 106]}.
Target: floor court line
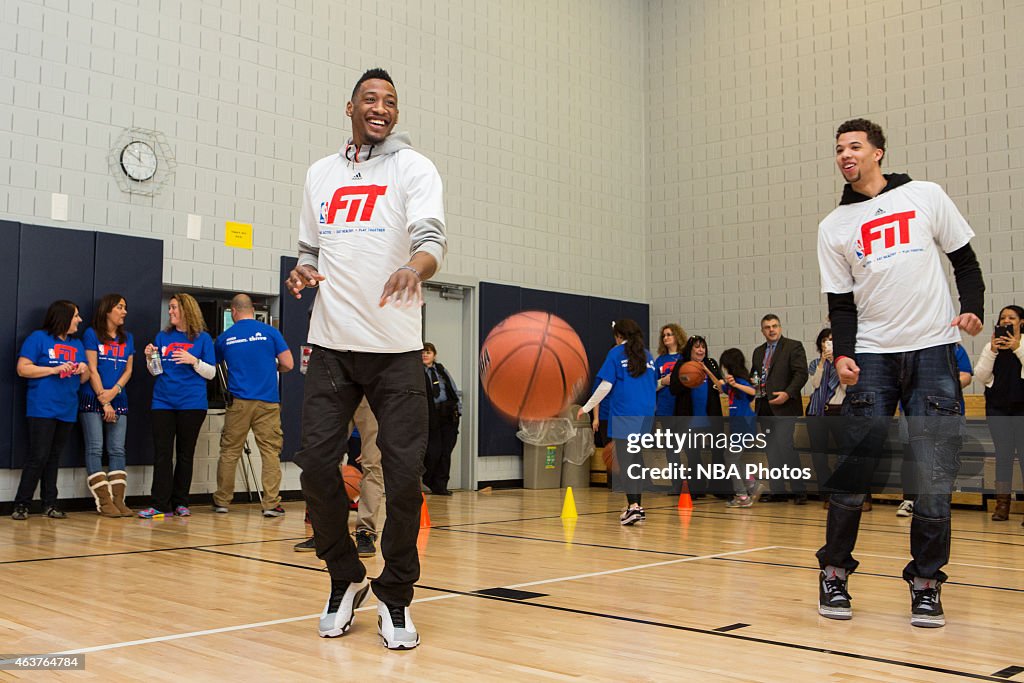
{"type": "Point", "coordinates": [446, 596]}
{"type": "Point", "coordinates": [907, 557]}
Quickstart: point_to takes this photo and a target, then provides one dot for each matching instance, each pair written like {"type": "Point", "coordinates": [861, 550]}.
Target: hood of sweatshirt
{"type": "Point", "coordinates": [851, 196]}
{"type": "Point", "coordinates": [359, 153]}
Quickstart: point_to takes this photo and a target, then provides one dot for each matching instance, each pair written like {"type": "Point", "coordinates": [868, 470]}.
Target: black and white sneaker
{"type": "Point", "coordinates": [20, 513]}
{"type": "Point", "coordinates": [274, 512]}
{"type": "Point", "coordinates": [926, 606]}
{"type": "Point", "coordinates": [219, 509]}
{"type": "Point", "coordinates": [833, 598]}
{"type": "Point", "coordinates": [631, 516]}
{"type": "Point", "coordinates": [340, 609]}
{"type": "Point", "coordinates": [394, 624]}
{"type": "Point", "coordinates": [307, 546]}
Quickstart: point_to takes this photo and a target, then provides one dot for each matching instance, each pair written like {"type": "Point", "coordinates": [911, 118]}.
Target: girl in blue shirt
{"type": "Point", "coordinates": [103, 404]}
{"type": "Point", "coordinates": [179, 403]}
{"type": "Point", "coordinates": [54, 365]}
{"type": "Point", "coordinates": [629, 369]}
{"type": "Point", "coordinates": [742, 420]}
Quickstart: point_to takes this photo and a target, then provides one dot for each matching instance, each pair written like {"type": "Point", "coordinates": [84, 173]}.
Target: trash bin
{"type": "Point", "coordinates": [577, 451]}
{"type": "Point", "coordinates": [542, 451]}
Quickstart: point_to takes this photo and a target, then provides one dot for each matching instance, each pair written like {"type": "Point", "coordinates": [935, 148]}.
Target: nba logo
{"type": "Point", "coordinates": [323, 213]}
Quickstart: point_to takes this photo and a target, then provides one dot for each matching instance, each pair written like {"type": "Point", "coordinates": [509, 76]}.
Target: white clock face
{"type": "Point", "coordinates": [138, 161]}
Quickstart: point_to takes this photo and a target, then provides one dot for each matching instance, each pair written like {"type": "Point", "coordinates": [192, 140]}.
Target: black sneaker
{"type": "Point", "coordinates": [54, 513]}
{"type": "Point", "coordinates": [833, 598]}
{"type": "Point", "coordinates": [631, 516]}
{"type": "Point", "coordinates": [307, 546]}
{"type": "Point", "coordinates": [20, 513]}
{"type": "Point", "coordinates": [364, 543]}
{"type": "Point", "coordinates": [926, 607]}
{"type": "Point", "coordinates": [345, 598]}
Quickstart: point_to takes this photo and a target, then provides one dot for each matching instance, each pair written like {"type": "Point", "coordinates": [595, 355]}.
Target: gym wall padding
{"type": "Point", "coordinates": [56, 263]}
{"type": "Point", "coordinates": [590, 316]}
{"type": "Point", "coordinates": [294, 327]}
{"type": "Point", "coordinates": [10, 236]}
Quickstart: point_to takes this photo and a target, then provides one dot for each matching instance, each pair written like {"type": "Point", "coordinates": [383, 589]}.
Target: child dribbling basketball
{"type": "Point", "coordinates": [629, 370]}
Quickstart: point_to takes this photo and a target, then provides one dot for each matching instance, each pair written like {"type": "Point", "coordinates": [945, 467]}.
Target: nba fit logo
{"type": "Point", "coordinates": [113, 349]}
{"type": "Point", "coordinates": [892, 230]}
{"type": "Point", "coordinates": [171, 348]}
{"type": "Point", "coordinates": [64, 353]}
{"type": "Point", "coordinates": [359, 200]}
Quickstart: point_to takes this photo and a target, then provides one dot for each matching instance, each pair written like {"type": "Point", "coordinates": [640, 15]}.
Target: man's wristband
{"type": "Point", "coordinates": [839, 358]}
{"type": "Point", "coordinates": [408, 267]}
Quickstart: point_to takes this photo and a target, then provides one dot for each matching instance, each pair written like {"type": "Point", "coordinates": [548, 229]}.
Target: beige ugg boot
{"type": "Point", "coordinates": [119, 488]}
{"type": "Point", "coordinates": [100, 488]}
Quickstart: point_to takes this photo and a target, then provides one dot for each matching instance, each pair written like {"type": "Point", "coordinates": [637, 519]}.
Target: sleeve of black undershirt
{"type": "Point", "coordinates": [842, 315]}
{"type": "Point", "coordinates": [970, 283]}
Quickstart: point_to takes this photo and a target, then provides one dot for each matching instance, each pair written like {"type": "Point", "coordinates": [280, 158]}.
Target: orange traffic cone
{"type": "Point", "coordinates": [425, 514]}
{"type": "Point", "coordinates": [685, 502]}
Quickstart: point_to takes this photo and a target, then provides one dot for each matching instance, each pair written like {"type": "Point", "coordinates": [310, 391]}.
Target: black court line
{"type": "Point", "coordinates": [723, 634]}
{"type": "Point", "coordinates": [730, 627]}
{"type": "Point", "coordinates": [789, 521]}
{"type": "Point", "coordinates": [150, 550]}
{"type": "Point", "coordinates": [1009, 671]}
{"type": "Point", "coordinates": [258, 559]}
{"type": "Point", "coordinates": [721, 559]}
{"type": "Point", "coordinates": [511, 593]}
{"type": "Point", "coordinates": [533, 519]}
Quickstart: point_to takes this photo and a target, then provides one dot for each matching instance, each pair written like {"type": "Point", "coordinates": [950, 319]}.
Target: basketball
{"type": "Point", "coordinates": [353, 480]}
{"type": "Point", "coordinates": [691, 374]}
{"type": "Point", "coordinates": [532, 365]}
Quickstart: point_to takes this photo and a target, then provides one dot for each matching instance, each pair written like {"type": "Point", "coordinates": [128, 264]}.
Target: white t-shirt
{"type": "Point", "coordinates": [359, 215]}
{"type": "Point", "coordinates": [888, 252]}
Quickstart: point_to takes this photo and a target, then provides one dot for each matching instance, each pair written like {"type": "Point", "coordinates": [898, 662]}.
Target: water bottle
{"type": "Point", "coordinates": [756, 381]}
{"type": "Point", "coordinates": [154, 364]}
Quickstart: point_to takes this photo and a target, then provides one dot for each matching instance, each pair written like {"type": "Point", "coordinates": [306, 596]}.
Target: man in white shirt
{"type": "Point", "coordinates": [894, 331]}
{"type": "Point", "coordinates": [371, 229]}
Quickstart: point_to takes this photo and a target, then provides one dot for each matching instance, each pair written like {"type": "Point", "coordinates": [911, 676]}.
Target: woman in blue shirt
{"type": "Point", "coordinates": [179, 403]}
{"type": "Point", "coordinates": [54, 365]}
{"type": "Point", "coordinates": [629, 370]}
{"type": "Point", "coordinates": [702, 404]}
{"type": "Point", "coordinates": [671, 340]}
{"type": "Point", "coordinates": [103, 404]}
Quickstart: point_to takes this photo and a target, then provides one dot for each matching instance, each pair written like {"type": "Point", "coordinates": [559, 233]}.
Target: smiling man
{"type": "Point", "coordinates": [371, 229]}
{"type": "Point", "coordinates": [894, 331]}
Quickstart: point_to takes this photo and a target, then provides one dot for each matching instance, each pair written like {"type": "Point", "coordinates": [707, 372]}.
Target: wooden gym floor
{"type": "Point", "coordinates": [509, 591]}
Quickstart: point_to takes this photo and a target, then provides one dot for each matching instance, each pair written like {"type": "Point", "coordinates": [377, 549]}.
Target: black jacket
{"type": "Point", "coordinates": [447, 410]}
{"type": "Point", "coordinates": [684, 396]}
{"type": "Point", "coordinates": [788, 373]}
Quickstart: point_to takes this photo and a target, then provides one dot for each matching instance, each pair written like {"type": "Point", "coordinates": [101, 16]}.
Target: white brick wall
{"type": "Point", "coordinates": [744, 100]}
{"type": "Point", "coordinates": [520, 105]}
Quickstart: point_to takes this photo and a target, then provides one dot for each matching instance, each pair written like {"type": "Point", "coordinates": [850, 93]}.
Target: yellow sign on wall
{"type": "Point", "coordinates": [238, 235]}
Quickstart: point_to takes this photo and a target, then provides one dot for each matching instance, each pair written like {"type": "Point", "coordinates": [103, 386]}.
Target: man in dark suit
{"type": "Point", "coordinates": [782, 367]}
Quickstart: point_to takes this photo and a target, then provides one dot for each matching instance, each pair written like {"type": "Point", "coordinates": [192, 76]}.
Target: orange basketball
{"type": "Point", "coordinates": [532, 365]}
{"type": "Point", "coordinates": [691, 374]}
{"type": "Point", "coordinates": [353, 480]}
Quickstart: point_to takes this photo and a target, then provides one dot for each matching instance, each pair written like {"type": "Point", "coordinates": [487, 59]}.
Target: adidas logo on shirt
{"type": "Point", "coordinates": [880, 211]}
{"type": "Point", "coordinates": [357, 176]}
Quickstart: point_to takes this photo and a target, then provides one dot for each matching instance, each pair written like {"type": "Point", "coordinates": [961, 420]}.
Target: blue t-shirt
{"type": "Point", "coordinates": [663, 367]}
{"type": "Point", "coordinates": [180, 387]}
{"type": "Point", "coordinates": [631, 397]}
{"type": "Point", "coordinates": [111, 361]}
{"type": "Point", "coordinates": [963, 364]}
{"type": "Point", "coordinates": [52, 396]}
{"type": "Point", "coordinates": [741, 410]}
{"type": "Point", "coordinates": [250, 349]}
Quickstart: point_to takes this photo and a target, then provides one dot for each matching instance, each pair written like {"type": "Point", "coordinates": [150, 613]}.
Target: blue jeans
{"type": "Point", "coordinates": [925, 381]}
{"type": "Point", "coordinates": [96, 432]}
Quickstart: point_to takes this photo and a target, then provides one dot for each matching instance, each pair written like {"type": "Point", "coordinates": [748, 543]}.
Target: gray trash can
{"type": "Point", "coordinates": [577, 451]}
{"type": "Point", "coordinates": [542, 466]}
{"type": "Point", "coordinates": [543, 450]}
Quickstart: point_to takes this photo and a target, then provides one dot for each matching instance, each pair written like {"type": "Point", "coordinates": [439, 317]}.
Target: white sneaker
{"type": "Point", "coordinates": [631, 516]}
{"type": "Point", "coordinates": [394, 624]}
{"type": "Point", "coordinates": [906, 509]}
{"type": "Point", "coordinates": [340, 609]}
